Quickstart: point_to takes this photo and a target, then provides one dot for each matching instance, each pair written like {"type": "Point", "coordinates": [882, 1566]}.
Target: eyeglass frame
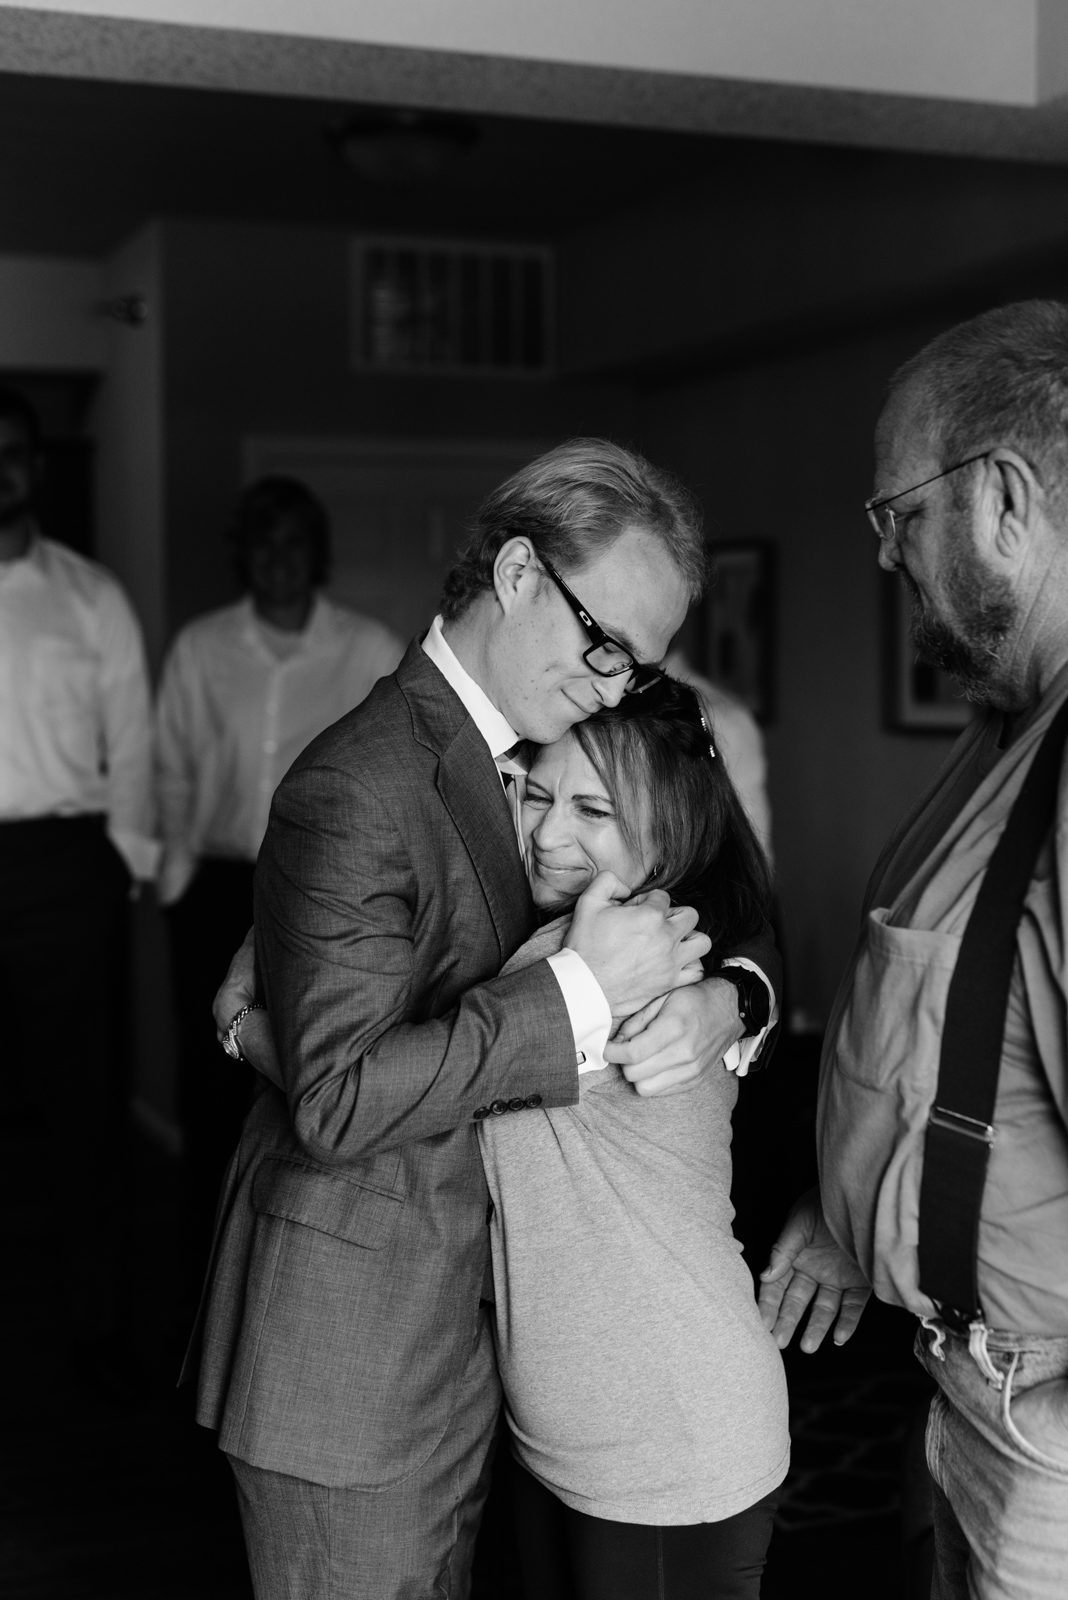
{"type": "Point", "coordinates": [873, 505]}
{"type": "Point", "coordinates": [598, 638]}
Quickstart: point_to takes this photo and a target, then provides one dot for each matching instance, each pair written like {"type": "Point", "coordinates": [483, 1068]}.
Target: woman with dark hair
{"type": "Point", "coordinates": [646, 1402]}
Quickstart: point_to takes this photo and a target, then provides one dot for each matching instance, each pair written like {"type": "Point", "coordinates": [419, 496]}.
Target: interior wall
{"type": "Point", "coordinates": [783, 452]}
{"type": "Point", "coordinates": [257, 344]}
{"type": "Point", "coordinates": [790, 238]}
{"type": "Point", "coordinates": [128, 424]}
{"type": "Point", "coordinates": [50, 314]}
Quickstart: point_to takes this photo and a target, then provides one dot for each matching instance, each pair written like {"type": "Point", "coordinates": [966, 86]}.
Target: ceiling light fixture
{"type": "Point", "coordinates": [400, 147]}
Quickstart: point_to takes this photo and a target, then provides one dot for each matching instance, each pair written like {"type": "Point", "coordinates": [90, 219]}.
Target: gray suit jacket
{"type": "Point", "coordinates": [351, 1241]}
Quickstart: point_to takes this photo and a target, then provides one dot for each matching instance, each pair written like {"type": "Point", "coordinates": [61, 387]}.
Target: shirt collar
{"type": "Point", "coordinates": [497, 732]}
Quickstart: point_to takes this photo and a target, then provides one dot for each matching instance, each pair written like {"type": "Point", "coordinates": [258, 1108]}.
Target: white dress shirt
{"type": "Point", "coordinates": [590, 1013]}
{"type": "Point", "coordinates": [75, 718]}
{"type": "Point", "coordinates": [238, 702]}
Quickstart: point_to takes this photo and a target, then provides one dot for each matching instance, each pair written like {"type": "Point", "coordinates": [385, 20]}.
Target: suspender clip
{"type": "Point", "coordinates": [957, 1122]}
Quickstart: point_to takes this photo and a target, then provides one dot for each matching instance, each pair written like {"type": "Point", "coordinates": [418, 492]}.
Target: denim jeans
{"type": "Point", "coordinates": [1001, 1501]}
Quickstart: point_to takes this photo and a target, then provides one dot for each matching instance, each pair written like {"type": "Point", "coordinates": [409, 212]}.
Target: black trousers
{"type": "Point", "coordinates": [214, 1093]}
{"type": "Point", "coordinates": [64, 931]}
{"type": "Point", "coordinates": [566, 1555]}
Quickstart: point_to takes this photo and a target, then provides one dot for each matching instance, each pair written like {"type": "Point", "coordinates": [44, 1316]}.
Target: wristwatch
{"type": "Point", "coordinates": [754, 1002]}
{"type": "Point", "coordinates": [230, 1041]}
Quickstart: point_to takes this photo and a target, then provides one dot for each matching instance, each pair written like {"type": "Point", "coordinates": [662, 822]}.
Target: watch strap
{"type": "Point", "coordinates": [754, 1005]}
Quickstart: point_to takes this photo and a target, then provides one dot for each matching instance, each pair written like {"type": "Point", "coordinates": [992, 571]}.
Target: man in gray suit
{"type": "Point", "coordinates": [347, 1355]}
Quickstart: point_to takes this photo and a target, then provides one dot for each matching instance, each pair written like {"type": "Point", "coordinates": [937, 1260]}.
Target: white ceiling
{"type": "Point", "coordinates": [1005, 52]}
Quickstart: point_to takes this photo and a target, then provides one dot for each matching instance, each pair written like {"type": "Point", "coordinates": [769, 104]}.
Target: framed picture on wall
{"type": "Point", "coordinates": [739, 623]}
{"type": "Point", "coordinates": [917, 698]}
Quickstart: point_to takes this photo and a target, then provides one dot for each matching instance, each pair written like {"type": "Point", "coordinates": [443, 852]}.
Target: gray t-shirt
{"type": "Point", "coordinates": [640, 1383]}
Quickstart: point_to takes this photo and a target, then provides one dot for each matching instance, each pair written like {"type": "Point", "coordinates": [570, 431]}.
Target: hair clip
{"type": "Point", "coordinates": [708, 733]}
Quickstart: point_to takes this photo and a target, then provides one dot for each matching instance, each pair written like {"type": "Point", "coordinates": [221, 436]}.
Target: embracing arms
{"type": "Point", "coordinates": [664, 1048]}
{"type": "Point", "coordinates": [363, 955]}
{"type": "Point", "coordinates": [359, 952]}
{"type": "Point", "coordinates": [694, 1028]}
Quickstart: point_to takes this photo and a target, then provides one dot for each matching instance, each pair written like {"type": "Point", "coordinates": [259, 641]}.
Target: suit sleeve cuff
{"type": "Point", "coordinates": [740, 1056]}
{"type": "Point", "coordinates": [589, 1011]}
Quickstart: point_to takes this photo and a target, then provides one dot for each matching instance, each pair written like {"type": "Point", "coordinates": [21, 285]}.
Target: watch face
{"type": "Point", "coordinates": [759, 1004]}
{"type": "Point", "coordinates": [753, 999]}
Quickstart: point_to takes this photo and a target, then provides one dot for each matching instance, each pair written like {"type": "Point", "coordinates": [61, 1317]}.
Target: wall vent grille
{"type": "Point", "coordinates": [423, 306]}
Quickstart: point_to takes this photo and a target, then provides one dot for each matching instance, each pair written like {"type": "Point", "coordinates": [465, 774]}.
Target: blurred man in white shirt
{"type": "Point", "coordinates": [76, 827]}
{"type": "Point", "coordinates": [244, 690]}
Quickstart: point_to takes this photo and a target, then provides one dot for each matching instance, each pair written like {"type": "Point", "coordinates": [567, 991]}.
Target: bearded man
{"type": "Point", "coordinates": [921, 1188]}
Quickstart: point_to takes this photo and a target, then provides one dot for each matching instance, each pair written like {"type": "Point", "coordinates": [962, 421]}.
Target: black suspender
{"type": "Point", "coordinates": [960, 1128]}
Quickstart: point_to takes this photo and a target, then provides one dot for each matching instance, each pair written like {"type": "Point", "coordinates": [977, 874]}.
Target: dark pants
{"type": "Point", "coordinates": [214, 1093]}
{"type": "Point", "coordinates": [64, 930]}
{"type": "Point", "coordinates": [566, 1555]}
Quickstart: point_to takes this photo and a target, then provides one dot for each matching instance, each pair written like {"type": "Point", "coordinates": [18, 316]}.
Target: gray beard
{"type": "Point", "coordinates": [970, 648]}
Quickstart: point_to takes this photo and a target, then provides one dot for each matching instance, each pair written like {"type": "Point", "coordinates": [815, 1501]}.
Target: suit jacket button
{"type": "Point", "coordinates": [533, 1101]}
{"type": "Point", "coordinates": [480, 1112]}
{"type": "Point", "coordinates": [499, 1107]}
{"type": "Point", "coordinates": [517, 1105]}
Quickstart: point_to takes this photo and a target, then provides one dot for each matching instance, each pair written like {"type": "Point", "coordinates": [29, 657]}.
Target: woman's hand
{"type": "Point", "coordinates": [688, 1036]}
{"type": "Point", "coordinates": [639, 1020]}
{"type": "Point", "coordinates": [635, 946]}
{"type": "Point", "coordinates": [631, 1026]}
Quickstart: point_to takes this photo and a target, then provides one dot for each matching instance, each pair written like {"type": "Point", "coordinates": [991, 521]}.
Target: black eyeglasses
{"type": "Point", "coordinates": [884, 521]}
{"type": "Point", "coordinates": [605, 656]}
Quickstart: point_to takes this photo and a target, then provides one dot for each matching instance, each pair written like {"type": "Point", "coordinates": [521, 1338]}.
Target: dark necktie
{"type": "Point", "coordinates": [514, 764]}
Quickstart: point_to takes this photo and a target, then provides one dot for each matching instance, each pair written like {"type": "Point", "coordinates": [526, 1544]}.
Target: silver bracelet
{"type": "Point", "coordinates": [230, 1042]}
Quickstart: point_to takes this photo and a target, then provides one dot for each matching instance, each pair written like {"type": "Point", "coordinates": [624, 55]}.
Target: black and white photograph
{"type": "Point", "coordinates": [534, 799]}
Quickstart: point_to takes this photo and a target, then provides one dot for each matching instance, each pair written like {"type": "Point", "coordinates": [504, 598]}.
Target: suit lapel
{"type": "Point", "coordinates": [471, 788]}
{"type": "Point", "coordinates": [472, 793]}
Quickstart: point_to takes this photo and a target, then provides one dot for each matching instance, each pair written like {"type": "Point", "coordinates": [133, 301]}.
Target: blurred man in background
{"type": "Point", "coordinates": [244, 689]}
{"type": "Point", "coordinates": [76, 827]}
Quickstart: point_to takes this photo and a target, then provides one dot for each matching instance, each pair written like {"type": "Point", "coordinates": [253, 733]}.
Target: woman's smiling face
{"type": "Point", "coordinates": [570, 828]}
